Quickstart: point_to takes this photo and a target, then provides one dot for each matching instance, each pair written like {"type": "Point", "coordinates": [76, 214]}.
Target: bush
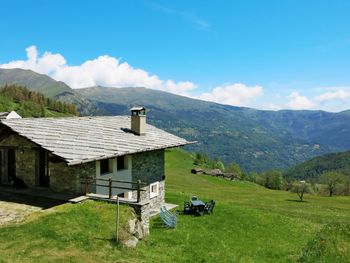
{"type": "Point", "coordinates": [271, 179]}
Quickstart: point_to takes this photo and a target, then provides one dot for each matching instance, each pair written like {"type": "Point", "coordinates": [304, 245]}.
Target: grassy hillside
{"type": "Point", "coordinates": [32, 104]}
{"type": "Point", "coordinates": [249, 224]}
{"type": "Point", "coordinates": [312, 169]}
{"type": "Point", "coordinates": [35, 81]}
{"type": "Point", "coordinates": [67, 233]}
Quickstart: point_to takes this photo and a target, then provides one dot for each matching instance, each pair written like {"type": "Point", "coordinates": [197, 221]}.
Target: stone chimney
{"type": "Point", "coordinates": [138, 120]}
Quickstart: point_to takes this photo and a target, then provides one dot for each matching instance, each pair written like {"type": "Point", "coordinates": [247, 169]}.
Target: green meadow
{"type": "Point", "coordinates": [249, 224]}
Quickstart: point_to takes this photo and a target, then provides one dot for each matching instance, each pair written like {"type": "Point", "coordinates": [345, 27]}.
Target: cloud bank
{"type": "Point", "coordinates": [109, 71]}
{"type": "Point", "coordinates": [299, 102]}
{"type": "Point", "coordinates": [236, 94]}
{"type": "Point", "coordinates": [103, 71]}
{"type": "Point", "coordinates": [339, 94]}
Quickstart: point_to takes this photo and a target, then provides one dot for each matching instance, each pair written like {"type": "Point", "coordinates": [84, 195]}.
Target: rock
{"type": "Point", "coordinates": [139, 231]}
{"type": "Point", "coordinates": [196, 171]}
{"type": "Point", "coordinates": [230, 176]}
{"type": "Point", "coordinates": [131, 243]}
{"type": "Point", "coordinates": [214, 172]}
{"type": "Point", "coordinates": [131, 226]}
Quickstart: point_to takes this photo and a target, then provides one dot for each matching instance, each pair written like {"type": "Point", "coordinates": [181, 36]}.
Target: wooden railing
{"type": "Point", "coordinates": [87, 181]}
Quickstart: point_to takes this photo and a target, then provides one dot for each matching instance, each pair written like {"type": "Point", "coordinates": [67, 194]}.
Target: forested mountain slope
{"type": "Point", "coordinates": [257, 140]}
{"type": "Point", "coordinates": [314, 168]}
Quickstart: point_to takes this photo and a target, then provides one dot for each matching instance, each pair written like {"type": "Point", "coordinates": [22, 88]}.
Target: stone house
{"type": "Point", "coordinates": [55, 153]}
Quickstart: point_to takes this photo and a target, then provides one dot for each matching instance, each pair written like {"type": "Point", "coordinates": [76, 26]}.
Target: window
{"type": "Point", "coordinates": [105, 167]}
{"type": "Point", "coordinates": [122, 163]}
{"type": "Point", "coordinates": [154, 190]}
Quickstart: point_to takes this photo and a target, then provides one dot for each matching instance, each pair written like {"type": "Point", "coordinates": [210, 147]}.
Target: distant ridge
{"type": "Point", "coordinates": [314, 168]}
{"type": "Point", "coordinates": [47, 86]}
{"type": "Point", "coordinates": [34, 81]}
{"type": "Point", "coordinates": [257, 140]}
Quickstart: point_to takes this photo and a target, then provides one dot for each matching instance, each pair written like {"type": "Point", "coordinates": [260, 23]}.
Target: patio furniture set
{"type": "Point", "coordinates": [193, 207]}
{"type": "Point", "coordinates": [198, 207]}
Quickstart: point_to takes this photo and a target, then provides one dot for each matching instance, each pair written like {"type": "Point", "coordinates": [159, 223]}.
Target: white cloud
{"type": "Point", "coordinates": [46, 64]}
{"type": "Point", "coordinates": [104, 71]}
{"type": "Point", "coordinates": [341, 94]}
{"type": "Point", "coordinates": [181, 88]}
{"type": "Point", "coordinates": [298, 102]}
{"type": "Point", "coordinates": [271, 106]}
{"type": "Point", "coordinates": [236, 94]}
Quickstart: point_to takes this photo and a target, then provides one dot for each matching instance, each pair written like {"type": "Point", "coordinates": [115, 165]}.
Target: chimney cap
{"type": "Point", "coordinates": [139, 108]}
{"type": "Point", "coordinates": [138, 111]}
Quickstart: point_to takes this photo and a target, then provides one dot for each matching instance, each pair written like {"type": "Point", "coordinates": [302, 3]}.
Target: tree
{"type": "Point", "coordinates": [219, 165]}
{"type": "Point", "coordinates": [301, 188]}
{"type": "Point", "coordinates": [253, 177]}
{"type": "Point", "coordinates": [234, 168]}
{"type": "Point", "coordinates": [272, 179]}
{"type": "Point", "coordinates": [201, 159]}
{"type": "Point", "coordinates": [332, 180]}
{"type": "Point", "coordinates": [288, 185]}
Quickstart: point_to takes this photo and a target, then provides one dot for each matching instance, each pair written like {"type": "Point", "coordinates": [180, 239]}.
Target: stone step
{"type": "Point", "coordinates": [79, 199]}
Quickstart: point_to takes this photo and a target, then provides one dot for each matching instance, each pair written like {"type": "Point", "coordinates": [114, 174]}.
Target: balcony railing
{"type": "Point", "coordinates": [94, 181]}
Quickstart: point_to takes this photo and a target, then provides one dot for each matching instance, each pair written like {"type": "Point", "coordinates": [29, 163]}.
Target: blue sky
{"type": "Point", "coordinates": [263, 54]}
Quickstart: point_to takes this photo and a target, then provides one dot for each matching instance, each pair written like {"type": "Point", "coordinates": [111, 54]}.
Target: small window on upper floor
{"type": "Point", "coordinates": [105, 166]}
{"type": "Point", "coordinates": [122, 163]}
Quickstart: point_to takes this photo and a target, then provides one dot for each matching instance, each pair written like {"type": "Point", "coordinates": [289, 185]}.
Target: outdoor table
{"type": "Point", "coordinates": [198, 206]}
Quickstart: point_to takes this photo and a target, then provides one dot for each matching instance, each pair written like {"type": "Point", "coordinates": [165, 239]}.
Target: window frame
{"type": "Point", "coordinates": [109, 169]}
{"type": "Point", "coordinates": [125, 163]}
{"type": "Point", "coordinates": [153, 194]}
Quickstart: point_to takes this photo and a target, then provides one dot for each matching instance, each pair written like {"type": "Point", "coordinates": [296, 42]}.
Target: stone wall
{"type": "Point", "coordinates": [65, 178]}
{"type": "Point", "coordinates": [149, 168]}
{"type": "Point", "coordinates": [26, 166]}
{"type": "Point", "coordinates": [25, 158]}
{"type": "Point", "coordinates": [143, 213]}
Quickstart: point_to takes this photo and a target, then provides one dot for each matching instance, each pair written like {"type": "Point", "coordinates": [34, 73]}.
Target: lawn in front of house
{"type": "Point", "coordinates": [83, 232]}
{"type": "Point", "coordinates": [249, 224]}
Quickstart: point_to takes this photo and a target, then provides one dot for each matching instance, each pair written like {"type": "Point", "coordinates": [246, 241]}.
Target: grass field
{"type": "Point", "coordinates": [249, 224]}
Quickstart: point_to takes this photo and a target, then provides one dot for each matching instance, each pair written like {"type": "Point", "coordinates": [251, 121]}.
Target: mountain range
{"type": "Point", "coordinates": [257, 140]}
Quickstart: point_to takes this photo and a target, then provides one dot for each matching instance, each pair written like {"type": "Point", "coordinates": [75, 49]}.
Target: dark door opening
{"type": "Point", "coordinates": [1, 166]}
{"type": "Point", "coordinates": [44, 177]}
{"type": "Point", "coordinates": [11, 164]}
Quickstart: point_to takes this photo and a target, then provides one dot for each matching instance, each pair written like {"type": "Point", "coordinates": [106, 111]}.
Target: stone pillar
{"type": "Point", "coordinates": [26, 166]}
{"type": "Point", "coordinates": [142, 211]}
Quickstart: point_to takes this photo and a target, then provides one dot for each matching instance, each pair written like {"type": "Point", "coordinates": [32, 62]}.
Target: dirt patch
{"type": "Point", "coordinates": [15, 208]}
{"type": "Point", "coordinates": [10, 212]}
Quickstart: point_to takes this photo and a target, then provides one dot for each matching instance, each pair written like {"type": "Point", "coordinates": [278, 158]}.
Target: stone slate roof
{"type": "Point", "coordinates": [84, 139]}
{"type": "Point", "coordinates": [9, 115]}
{"type": "Point", "coordinates": [3, 115]}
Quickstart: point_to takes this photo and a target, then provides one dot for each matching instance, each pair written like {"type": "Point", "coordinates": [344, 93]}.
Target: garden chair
{"type": "Point", "coordinates": [169, 219]}
{"type": "Point", "coordinates": [187, 208]}
{"type": "Point", "coordinates": [209, 207]}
